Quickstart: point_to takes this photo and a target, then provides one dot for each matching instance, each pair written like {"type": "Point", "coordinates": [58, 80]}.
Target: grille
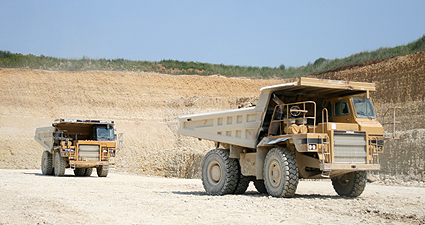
{"type": "Point", "coordinates": [91, 152]}
{"type": "Point", "coordinates": [350, 148]}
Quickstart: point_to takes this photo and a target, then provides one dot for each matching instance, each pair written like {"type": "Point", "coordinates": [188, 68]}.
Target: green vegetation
{"type": "Point", "coordinates": [12, 60]}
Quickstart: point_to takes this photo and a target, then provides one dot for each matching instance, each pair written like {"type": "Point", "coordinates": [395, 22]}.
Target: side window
{"type": "Point", "coordinates": [341, 108]}
{"type": "Point", "coordinates": [329, 107]}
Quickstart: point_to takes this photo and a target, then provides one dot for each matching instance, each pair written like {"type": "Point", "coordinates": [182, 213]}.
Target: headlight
{"type": "Point", "coordinates": [312, 147]}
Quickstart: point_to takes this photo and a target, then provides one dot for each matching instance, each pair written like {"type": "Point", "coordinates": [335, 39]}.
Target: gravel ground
{"type": "Point", "coordinates": [27, 197]}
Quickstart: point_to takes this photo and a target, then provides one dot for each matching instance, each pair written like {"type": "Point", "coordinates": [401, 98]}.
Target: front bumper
{"type": "Point", "coordinates": [348, 167]}
{"type": "Point", "coordinates": [87, 164]}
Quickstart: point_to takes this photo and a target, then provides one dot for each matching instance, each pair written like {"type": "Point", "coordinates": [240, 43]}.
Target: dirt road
{"type": "Point", "coordinates": [27, 197]}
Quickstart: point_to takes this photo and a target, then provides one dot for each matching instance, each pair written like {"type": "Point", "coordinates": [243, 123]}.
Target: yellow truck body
{"type": "Point", "coordinates": [325, 128]}
{"type": "Point", "coordinates": [77, 144]}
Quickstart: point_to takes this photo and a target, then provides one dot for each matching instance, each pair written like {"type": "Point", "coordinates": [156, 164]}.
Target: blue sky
{"type": "Point", "coordinates": [244, 33]}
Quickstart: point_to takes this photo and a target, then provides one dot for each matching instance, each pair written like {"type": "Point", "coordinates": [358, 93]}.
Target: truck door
{"type": "Point", "coordinates": [342, 111]}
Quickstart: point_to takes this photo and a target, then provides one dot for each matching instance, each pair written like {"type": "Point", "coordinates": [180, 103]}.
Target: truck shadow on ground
{"type": "Point", "coordinates": [259, 195]}
{"type": "Point", "coordinates": [66, 175]}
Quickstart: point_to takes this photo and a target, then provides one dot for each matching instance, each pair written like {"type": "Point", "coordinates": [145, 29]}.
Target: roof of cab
{"type": "Point", "coordinates": [314, 87]}
{"type": "Point", "coordinates": [88, 122]}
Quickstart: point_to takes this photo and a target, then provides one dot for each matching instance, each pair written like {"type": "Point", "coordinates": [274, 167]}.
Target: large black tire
{"type": "Point", "coordinates": [259, 185]}
{"type": "Point", "coordinates": [83, 172]}
{"type": "Point", "coordinates": [47, 163]}
{"type": "Point", "coordinates": [280, 173]}
{"type": "Point", "coordinates": [243, 183]}
{"type": "Point", "coordinates": [79, 172]}
{"type": "Point", "coordinates": [102, 171]}
{"type": "Point", "coordinates": [88, 172]}
{"type": "Point", "coordinates": [220, 174]}
{"type": "Point", "coordinates": [60, 164]}
{"type": "Point", "coordinates": [350, 184]}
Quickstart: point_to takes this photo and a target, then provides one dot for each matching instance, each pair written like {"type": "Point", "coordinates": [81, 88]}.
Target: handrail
{"type": "Point", "coordinates": [325, 154]}
{"type": "Point", "coordinates": [287, 119]}
{"type": "Point", "coordinates": [394, 122]}
{"type": "Point", "coordinates": [327, 119]}
{"type": "Point", "coordinates": [374, 151]}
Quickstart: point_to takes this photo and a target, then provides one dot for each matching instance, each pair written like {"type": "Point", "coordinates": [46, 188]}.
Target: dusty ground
{"type": "Point", "coordinates": [27, 197]}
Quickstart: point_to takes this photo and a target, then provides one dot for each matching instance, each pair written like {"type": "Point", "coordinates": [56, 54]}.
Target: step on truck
{"type": "Point", "coordinates": [311, 129]}
{"type": "Point", "coordinates": [77, 144]}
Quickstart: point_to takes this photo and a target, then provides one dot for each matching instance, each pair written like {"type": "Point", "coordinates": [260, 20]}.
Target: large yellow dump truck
{"type": "Point", "coordinates": [311, 128]}
{"type": "Point", "coordinates": [77, 144]}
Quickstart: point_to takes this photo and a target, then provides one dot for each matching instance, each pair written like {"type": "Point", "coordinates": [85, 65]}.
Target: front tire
{"type": "Point", "coordinates": [350, 184]}
{"type": "Point", "coordinates": [102, 171]}
{"type": "Point", "coordinates": [220, 173]}
{"type": "Point", "coordinates": [60, 164]}
{"type": "Point", "coordinates": [280, 173]}
{"type": "Point", "coordinates": [47, 163]}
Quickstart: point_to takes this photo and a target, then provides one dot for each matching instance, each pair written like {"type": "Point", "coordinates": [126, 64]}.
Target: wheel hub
{"type": "Point", "coordinates": [214, 172]}
{"type": "Point", "coordinates": [275, 174]}
{"type": "Point", "coordinates": [344, 180]}
{"type": "Point", "coordinates": [43, 162]}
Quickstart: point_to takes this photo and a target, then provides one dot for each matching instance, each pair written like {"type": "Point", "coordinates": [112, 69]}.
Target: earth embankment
{"type": "Point", "coordinates": [144, 106]}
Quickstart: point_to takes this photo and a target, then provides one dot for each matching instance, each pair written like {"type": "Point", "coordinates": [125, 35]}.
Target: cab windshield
{"type": "Point", "coordinates": [364, 108]}
{"type": "Point", "coordinates": [105, 133]}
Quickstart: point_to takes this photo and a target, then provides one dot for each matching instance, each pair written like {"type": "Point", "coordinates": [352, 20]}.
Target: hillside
{"type": "Point", "coordinates": [320, 65]}
{"type": "Point", "coordinates": [145, 107]}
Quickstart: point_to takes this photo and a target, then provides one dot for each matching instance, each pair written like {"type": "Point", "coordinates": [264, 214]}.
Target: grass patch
{"type": "Point", "coordinates": [16, 60]}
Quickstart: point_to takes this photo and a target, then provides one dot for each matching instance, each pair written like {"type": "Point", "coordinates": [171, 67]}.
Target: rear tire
{"type": "Point", "coordinates": [79, 172]}
{"type": "Point", "coordinates": [102, 171]}
{"type": "Point", "coordinates": [47, 163]}
{"type": "Point", "coordinates": [243, 181]}
{"type": "Point", "coordinates": [220, 174]}
{"type": "Point", "coordinates": [88, 172]}
{"type": "Point", "coordinates": [243, 184]}
{"type": "Point", "coordinates": [350, 184]}
{"type": "Point", "coordinates": [259, 185]}
{"type": "Point", "coordinates": [280, 173]}
{"type": "Point", "coordinates": [60, 164]}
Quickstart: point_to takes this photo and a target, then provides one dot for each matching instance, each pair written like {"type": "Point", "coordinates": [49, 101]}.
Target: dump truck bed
{"type": "Point", "coordinates": [241, 127]}
{"type": "Point", "coordinates": [238, 127]}
{"type": "Point", "coordinates": [44, 136]}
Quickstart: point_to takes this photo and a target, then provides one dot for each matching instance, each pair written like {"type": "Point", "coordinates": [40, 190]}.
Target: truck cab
{"type": "Point", "coordinates": [102, 133]}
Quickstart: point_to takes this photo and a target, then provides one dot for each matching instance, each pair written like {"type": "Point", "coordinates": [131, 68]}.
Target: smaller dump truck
{"type": "Point", "coordinates": [308, 129]}
{"type": "Point", "coordinates": [77, 144]}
